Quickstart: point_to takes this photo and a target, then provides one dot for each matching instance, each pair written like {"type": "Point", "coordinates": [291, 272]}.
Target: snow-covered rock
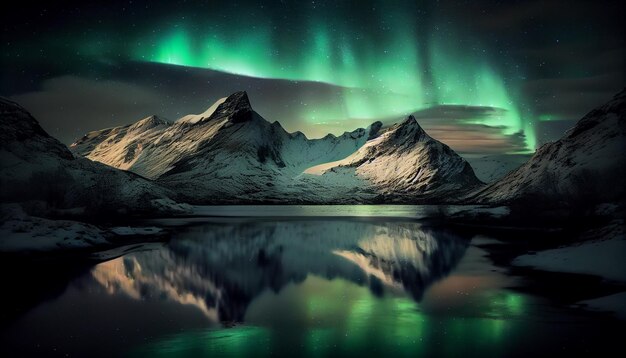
{"type": "Point", "coordinates": [20, 232]}
{"type": "Point", "coordinates": [615, 303]}
{"type": "Point", "coordinates": [588, 161]}
{"type": "Point", "coordinates": [120, 147]}
{"type": "Point", "coordinates": [230, 153]}
{"type": "Point", "coordinates": [24, 233]}
{"type": "Point", "coordinates": [603, 258]}
{"type": "Point", "coordinates": [133, 231]}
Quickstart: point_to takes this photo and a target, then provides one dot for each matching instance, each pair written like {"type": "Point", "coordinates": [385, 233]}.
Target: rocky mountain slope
{"type": "Point", "coordinates": [230, 153]}
{"type": "Point", "coordinates": [586, 165]}
{"type": "Point", "coordinates": [38, 169]}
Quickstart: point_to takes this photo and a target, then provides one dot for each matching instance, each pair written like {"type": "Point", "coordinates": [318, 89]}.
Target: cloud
{"type": "Point", "coordinates": [450, 124]}
{"type": "Point", "coordinates": [476, 138]}
{"type": "Point", "coordinates": [459, 112]}
{"type": "Point", "coordinates": [69, 106]}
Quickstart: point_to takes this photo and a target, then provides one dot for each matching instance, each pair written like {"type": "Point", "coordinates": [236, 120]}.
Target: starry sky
{"type": "Point", "coordinates": [484, 76]}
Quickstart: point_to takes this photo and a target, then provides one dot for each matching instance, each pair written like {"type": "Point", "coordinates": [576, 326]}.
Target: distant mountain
{"type": "Point", "coordinates": [36, 168]}
{"type": "Point", "coordinates": [229, 153]}
{"type": "Point", "coordinates": [493, 167]}
{"type": "Point", "coordinates": [588, 164]}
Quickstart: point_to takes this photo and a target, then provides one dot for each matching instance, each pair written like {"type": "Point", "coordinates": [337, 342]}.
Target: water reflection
{"type": "Point", "coordinates": [318, 317]}
{"type": "Point", "coordinates": [344, 287]}
{"type": "Point", "coordinates": [222, 268]}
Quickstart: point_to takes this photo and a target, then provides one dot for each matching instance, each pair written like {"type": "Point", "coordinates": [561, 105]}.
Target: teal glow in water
{"type": "Point", "coordinates": [236, 342]}
{"type": "Point", "coordinates": [357, 324]}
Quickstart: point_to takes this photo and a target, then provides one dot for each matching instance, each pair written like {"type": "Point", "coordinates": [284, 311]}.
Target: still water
{"type": "Point", "coordinates": [294, 286]}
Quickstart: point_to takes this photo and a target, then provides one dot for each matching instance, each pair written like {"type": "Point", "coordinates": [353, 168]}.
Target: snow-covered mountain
{"type": "Point", "coordinates": [36, 168]}
{"type": "Point", "coordinates": [402, 163]}
{"type": "Point", "coordinates": [230, 153]}
{"type": "Point", "coordinates": [588, 161]}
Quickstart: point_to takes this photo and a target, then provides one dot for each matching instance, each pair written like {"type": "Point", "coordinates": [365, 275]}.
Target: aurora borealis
{"type": "Point", "coordinates": [386, 83]}
{"type": "Point", "coordinates": [489, 77]}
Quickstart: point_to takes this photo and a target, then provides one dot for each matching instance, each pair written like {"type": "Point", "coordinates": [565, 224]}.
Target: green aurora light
{"type": "Point", "coordinates": [377, 81]}
{"type": "Point", "coordinates": [367, 60]}
{"type": "Point", "coordinates": [359, 324]}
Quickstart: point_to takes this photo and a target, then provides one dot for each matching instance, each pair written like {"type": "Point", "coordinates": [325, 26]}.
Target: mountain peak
{"type": "Point", "coordinates": [236, 106]}
{"type": "Point", "coordinates": [409, 128]}
{"type": "Point", "coordinates": [149, 123]}
{"type": "Point", "coordinates": [374, 130]}
{"type": "Point", "coordinates": [410, 120]}
{"type": "Point", "coordinates": [239, 98]}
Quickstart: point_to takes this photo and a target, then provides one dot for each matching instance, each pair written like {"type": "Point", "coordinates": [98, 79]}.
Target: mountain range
{"type": "Point", "coordinates": [230, 154]}
{"type": "Point", "coordinates": [43, 173]}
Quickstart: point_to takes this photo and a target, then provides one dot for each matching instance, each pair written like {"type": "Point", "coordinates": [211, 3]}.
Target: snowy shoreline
{"type": "Point", "coordinates": [20, 233]}
{"type": "Point", "coordinates": [600, 257]}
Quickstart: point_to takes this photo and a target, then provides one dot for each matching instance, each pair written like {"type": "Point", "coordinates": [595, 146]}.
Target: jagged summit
{"type": "Point", "coordinates": [410, 120]}
{"type": "Point", "coordinates": [148, 123]}
{"type": "Point", "coordinates": [236, 102]}
{"type": "Point", "coordinates": [374, 129]}
{"type": "Point", "coordinates": [409, 132]}
{"type": "Point", "coordinates": [235, 107]}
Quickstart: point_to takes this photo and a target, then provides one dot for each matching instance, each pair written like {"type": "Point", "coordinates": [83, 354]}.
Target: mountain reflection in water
{"type": "Point", "coordinates": [298, 287]}
{"type": "Point", "coordinates": [222, 268]}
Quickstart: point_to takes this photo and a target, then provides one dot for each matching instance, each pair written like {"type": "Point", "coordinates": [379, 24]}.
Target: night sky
{"type": "Point", "coordinates": [483, 76]}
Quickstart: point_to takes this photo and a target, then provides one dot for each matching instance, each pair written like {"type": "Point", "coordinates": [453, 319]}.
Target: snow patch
{"type": "Point", "coordinates": [20, 232]}
{"type": "Point", "coordinates": [195, 118]}
{"type": "Point", "coordinates": [170, 206]}
{"type": "Point", "coordinates": [601, 258]}
{"type": "Point", "coordinates": [613, 303]}
{"type": "Point", "coordinates": [128, 230]}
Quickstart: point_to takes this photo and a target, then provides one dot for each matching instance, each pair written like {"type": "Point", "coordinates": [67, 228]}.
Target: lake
{"type": "Point", "coordinates": [302, 281]}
